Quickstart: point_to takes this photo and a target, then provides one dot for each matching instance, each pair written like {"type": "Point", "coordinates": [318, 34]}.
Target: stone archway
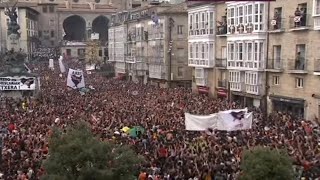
{"type": "Point", "coordinates": [100, 26]}
{"type": "Point", "coordinates": [75, 28]}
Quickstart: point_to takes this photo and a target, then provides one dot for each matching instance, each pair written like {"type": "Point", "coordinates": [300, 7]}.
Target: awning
{"type": "Point", "coordinates": [203, 89]}
{"type": "Point", "coordinates": [222, 93]}
{"type": "Point", "coordinates": [287, 99]}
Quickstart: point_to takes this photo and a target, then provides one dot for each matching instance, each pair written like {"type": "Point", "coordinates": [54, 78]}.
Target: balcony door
{"type": "Point", "coordinates": [300, 56]}
{"type": "Point", "coordinates": [276, 57]}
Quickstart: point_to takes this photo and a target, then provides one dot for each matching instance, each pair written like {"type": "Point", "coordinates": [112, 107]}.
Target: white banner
{"type": "Point", "coordinates": [17, 83]}
{"type": "Point", "coordinates": [200, 123]}
{"type": "Point", "coordinates": [61, 65]}
{"type": "Point", "coordinates": [51, 64]}
{"type": "Point", "coordinates": [230, 120]}
{"type": "Point", "coordinates": [234, 120]}
{"type": "Point", "coordinates": [75, 79]}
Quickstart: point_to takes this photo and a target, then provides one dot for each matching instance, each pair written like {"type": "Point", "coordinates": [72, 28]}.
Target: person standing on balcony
{"type": "Point", "coordinates": [277, 18]}
{"type": "Point", "coordinates": [297, 18]}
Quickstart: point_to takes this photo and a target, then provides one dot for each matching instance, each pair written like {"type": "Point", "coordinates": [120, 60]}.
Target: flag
{"type": "Point", "coordinates": [200, 123]}
{"type": "Point", "coordinates": [233, 120]}
{"type": "Point", "coordinates": [75, 79]}
{"type": "Point", "coordinates": [155, 19]}
{"type": "Point", "coordinates": [51, 65]}
{"type": "Point", "coordinates": [61, 65]}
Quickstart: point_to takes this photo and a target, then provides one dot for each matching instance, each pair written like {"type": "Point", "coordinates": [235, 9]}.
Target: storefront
{"type": "Point", "coordinates": [294, 106]}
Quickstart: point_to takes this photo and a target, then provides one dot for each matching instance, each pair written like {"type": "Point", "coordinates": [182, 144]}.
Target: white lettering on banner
{"type": "Point", "coordinates": [17, 83]}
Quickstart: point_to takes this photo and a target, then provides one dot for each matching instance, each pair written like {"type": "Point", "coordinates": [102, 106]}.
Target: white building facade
{"type": "Point", "coordinates": [316, 14]}
{"type": "Point", "coordinates": [117, 47]}
{"type": "Point", "coordinates": [247, 47]}
{"type": "Point", "coordinates": [201, 41]}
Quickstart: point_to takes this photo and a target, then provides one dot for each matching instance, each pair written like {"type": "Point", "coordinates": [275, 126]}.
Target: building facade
{"type": "Point", "coordinates": [155, 51]}
{"type": "Point", "coordinates": [247, 47]}
{"type": "Point", "coordinates": [293, 63]}
{"type": "Point", "coordinates": [28, 21]}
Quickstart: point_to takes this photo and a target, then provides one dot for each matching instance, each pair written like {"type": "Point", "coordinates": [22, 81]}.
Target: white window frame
{"type": "Point", "coordinates": [299, 82]}
{"type": "Point", "coordinates": [203, 49]}
{"type": "Point", "coordinates": [196, 51]}
{"type": "Point", "coordinates": [240, 52]}
{"type": "Point", "coordinates": [316, 7]}
{"type": "Point", "coordinates": [197, 20]}
{"type": "Point", "coordinates": [190, 51]}
{"type": "Point", "coordinates": [234, 76]}
{"type": "Point", "coordinates": [231, 19]}
{"type": "Point", "coordinates": [240, 15]}
{"type": "Point", "coordinates": [231, 51]}
{"type": "Point", "coordinates": [191, 25]}
{"type": "Point", "coordinates": [211, 22]}
{"type": "Point", "coordinates": [258, 23]}
{"type": "Point", "coordinates": [276, 80]}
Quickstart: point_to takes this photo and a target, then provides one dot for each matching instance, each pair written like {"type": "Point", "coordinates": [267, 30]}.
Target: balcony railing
{"type": "Point", "coordinates": [201, 31]}
{"type": "Point", "coordinates": [254, 89]}
{"type": "Point", "coordinates": [277, 25]}
{"type": "Point", "coordinates": [200, 62]}
{"type": "Point", "coordinates": [130, 59]}
{"type": "Point", "coordinates": [236, 86]}
{"type": "Point", "coordinates": [299, 22]}
{"type": "Point", "coordinates": [275, 65]}
{"type": "Point", "coordinates": [153, 36]}
{"type": "Point", "coordinates": [223, 83]}
{"type": "Point", "coordinates": [222, 30]}
{"type": "Point", "coordinates": [297, 65]}
{"type": "Point", "coordinates": [201, 81]}
{"type": "Point", "coordinates": [221, 63]}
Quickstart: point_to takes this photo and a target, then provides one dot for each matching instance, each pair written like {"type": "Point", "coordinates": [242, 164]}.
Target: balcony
{"type": "Point", "coordinates": [221, 63]}
{"type": "Point", "coordinates": [201, 32]}
{"type": "Point", "coordinates": [222, 30]}
{"type": "Point", "coordinates": [236, 86]}
{"type": "Point", "coordinates": [206, 63]}
{"type": "Point", "coordinates": [275, 65]}
{"type": "Point", "coordinates": [297, 66]}
{"type": "Point", "coordinates": [223, 84]}
{"type": "Point", "coordinates": [316, 67]}
{"type": "Point", "coordinates": [130, 59]}
{"type": "Point", "coordinates": [276, 25]}
{"type": "Point", "coordinates": [254, 89]}
{"type": "Point", "coordinates": [299, 23]}
{"type": "Point", "coordinates": [154, 36]}
{"type": "Point", "coordinates": [201, 81]}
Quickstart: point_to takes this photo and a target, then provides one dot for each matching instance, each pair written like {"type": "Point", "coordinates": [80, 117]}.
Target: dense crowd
{"type": "Point", "coordinates": [169, 150]}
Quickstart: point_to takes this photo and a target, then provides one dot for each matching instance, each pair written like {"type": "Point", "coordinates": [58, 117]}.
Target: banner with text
{"type": "Point", "coordinates": [17, 83]}
{"type": "Point", "coordinates": [230, 120]}
{"type": "Point", "coordinates": [75, 79]}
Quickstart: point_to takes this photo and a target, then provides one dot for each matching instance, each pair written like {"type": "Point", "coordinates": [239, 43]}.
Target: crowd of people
{"type": "Point", "coordinates": [170, 151]}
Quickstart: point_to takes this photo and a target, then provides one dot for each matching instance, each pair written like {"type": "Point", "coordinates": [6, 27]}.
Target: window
{"type": "Point", "coordinates": [100, 53]}
{"type": "Point", "coordinates": [191, 21]}
{"type": "Point", "coordinates": [275, 80]}
{"type": "Point", "coordinates": [231, 52]}
{"type": "Point", "coordinates": [240, 51]}
{"type": "Point", "coordinates": [300, 60]}
{"type": "Point", "coordinates": [179, 28]}
{"type": "Point", "coordinates": [190, 51]}
{"type": "Point", "coordinates": [197, 21]}
{"type": "Point", "coordinates": [52, 34]}
{"type": "Point", "coordinates": [258, 17]}
{"type": "Point", "coordinates": [40, 34]}
{"type": "Point", "coordinates": [202, 51]}
{"type": "Point", "coordinates": [224, 52]}
{"type": "Point", "coordinates": [51, 9]}
{"type": "Point", "coordinates": [276, 57]}
{"type": "Point", "coordinates": [299, 82]}
{"type": "Point", "coordinates": [240, 15]}
{"type": "Point", "coordinates": [234, 76]}
{"type": "Point", "coordinates": [317, 7]}
{"type": "Point", "coordinates": [180, 71]}
{"type": "Point", "coordinates": [197, 51]}
{"type": "Point", "coordinates": [248, 11]}
{"type": "Point", "coordinates": [202, 25]}
{"type": "Point", "coordinates": [44, 9]}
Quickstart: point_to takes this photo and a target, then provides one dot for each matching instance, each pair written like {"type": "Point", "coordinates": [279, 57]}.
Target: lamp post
{"type": "Point", "coordinates": [171, 25]}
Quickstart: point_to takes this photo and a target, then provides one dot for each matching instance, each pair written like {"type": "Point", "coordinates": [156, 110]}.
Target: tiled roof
{"type": "Point", "coordinates": [178, 8]}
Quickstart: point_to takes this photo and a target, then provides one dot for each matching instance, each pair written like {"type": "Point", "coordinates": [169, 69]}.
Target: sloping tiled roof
{"type": "Point", "coordinates": [178, 8]}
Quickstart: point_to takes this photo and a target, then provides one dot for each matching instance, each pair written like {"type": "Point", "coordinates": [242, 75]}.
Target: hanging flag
{"type": "Point", "coordinates": [51, 64]}
{"type": "Point", "coordinates": [75, 79]}
{"type": "Point", "coordinates": [61, 65]}
{"type": "Point", "coordinates": [155, 19]}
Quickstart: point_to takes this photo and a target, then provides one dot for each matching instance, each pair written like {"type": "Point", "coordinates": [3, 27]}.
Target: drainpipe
{"type": "Point", "coordinates": [171, 21]}
{"type": "Point", "coordinates": [266, 63]}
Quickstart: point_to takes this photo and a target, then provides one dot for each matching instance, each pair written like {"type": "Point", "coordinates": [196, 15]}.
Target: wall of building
{"type": "Point", "coordinates": [288, 41]}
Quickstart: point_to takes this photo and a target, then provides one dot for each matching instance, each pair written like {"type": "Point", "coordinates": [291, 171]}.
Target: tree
{"type": "Point", "coordinates": [92, 53]}
{"type": "Point", "coordinates": [78, 155]}
{"type": "Point", "coordinates": [265, 164]}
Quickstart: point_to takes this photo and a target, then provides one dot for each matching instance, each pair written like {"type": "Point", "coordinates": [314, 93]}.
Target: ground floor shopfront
{"type": "Point", "coordinates": [293, 106]}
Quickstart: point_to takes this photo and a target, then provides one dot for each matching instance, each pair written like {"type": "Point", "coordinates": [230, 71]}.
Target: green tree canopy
{"type": "Point", "coordinates": [265, 164]}
{"type": "Point", "coordinates": [78, 155]}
